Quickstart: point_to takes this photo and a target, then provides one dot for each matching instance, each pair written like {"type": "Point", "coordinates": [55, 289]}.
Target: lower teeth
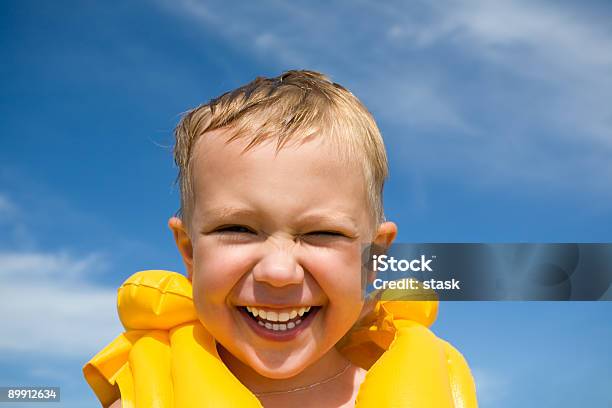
{"type": "Point", "coordinates": [279, 327]}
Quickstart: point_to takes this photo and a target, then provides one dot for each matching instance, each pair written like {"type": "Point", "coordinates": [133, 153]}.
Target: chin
{"type": "Point", "coordinates": [279, 373]}
{"type": "Point", "coordinates": [278, 365]}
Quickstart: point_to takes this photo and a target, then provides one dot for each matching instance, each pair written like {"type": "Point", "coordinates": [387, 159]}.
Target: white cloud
{"type": "Point", "coordinates": [47, 308]}
{"type": "Point", "coordinates": [50, 302]}
{"type": "Point", "coordinates": [512, 85]}
{"type": "Point", "coordinates": [545, 43]}
{"type": "Point", "coordinates": [73, 320]}
{"type": "Point", "coordinates": [298, 37]}
{"type": "Point", "coordinates": [34, 266]}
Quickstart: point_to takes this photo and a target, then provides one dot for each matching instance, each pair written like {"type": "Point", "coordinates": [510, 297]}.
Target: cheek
{"type": "Point", "coordinates": [338, 273]}
{"type": "Point", "coordinates": [337, 270]}
{"type": "Point", "coordinates": [217, 269]}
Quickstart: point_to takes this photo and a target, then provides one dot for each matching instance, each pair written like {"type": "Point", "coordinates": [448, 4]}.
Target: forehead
{"type": "Point", "coordinates": [308, 175]}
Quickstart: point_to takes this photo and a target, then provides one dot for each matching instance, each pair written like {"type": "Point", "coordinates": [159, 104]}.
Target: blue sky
{"type": "Point", "coordinates": [496, 119]}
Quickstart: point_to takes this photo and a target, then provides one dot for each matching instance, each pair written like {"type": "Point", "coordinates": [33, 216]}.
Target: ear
{"type": "Point", "coordinates": [183, 243]}
{"type": "Point", "coordinates": [385, 235]}
{"type": "Point", "coordinates": [383, 238]}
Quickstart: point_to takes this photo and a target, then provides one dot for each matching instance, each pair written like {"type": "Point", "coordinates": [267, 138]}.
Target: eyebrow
{"type": "Point", "coordinates": [333, 219]}
{"type": "Point", "coordinates": [228, 212]}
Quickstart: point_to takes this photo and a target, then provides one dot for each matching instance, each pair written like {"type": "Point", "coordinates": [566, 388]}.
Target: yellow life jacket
{"type": "Point", "coordinates": [167, 359]}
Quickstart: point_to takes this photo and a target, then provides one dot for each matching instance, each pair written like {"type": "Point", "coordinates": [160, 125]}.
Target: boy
{"type": "Point", "coordinates": [281, 186]}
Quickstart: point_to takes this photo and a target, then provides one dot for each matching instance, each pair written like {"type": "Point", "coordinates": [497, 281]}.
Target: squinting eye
{"type": "Point", "coordinates": [326, 233]}
{"type": "Point", "coordinates": [235, 228]}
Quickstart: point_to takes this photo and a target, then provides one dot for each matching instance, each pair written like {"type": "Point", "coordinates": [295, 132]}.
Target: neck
{"type": "Point", "coordinates": [330, 364]}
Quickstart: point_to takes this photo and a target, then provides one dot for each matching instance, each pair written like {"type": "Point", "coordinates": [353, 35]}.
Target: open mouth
{"type": "Point", "coordinates": [279, 322]}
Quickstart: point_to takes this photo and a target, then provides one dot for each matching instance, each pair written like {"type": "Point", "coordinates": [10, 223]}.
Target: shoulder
{"type": "Point", "coordinates": [116, 404]}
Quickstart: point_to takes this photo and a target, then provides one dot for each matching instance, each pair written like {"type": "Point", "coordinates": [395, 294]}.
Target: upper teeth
{"type": "Point", "coordinates": [277, 316]}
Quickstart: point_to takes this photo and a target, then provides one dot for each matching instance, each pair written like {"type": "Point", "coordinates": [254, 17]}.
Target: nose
{"type": "Point", "coordinates": [279, 266]}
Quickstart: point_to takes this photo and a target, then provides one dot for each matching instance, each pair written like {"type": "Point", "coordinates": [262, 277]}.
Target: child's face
{"type": "Point", "coordinates": [278, 232]}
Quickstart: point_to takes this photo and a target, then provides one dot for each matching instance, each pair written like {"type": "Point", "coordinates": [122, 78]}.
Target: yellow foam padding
{"type": "Point", "coordinates": [195, 363]}
{"type": "Point", "coordinates": [155, 300]}
{"type": "Point", "coordinates": [461, 381]}
{"type": "Point", "coordinates": [411, 373]}
{"type": "Point", "coordinates": [150, 364]}
{"type": "Point", "coordinates": [167, 359]}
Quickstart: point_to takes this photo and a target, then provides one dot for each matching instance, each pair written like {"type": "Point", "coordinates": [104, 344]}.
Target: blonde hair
{"type": "Point", "coordinates": [291, 107]}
